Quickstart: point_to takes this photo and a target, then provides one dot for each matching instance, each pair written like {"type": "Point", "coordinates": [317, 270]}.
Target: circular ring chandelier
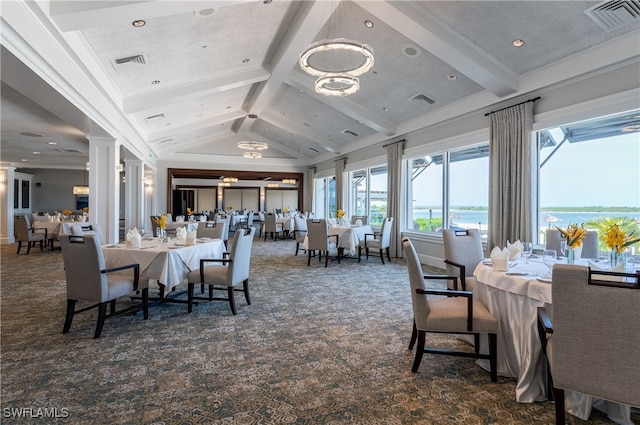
{"type": "Point", "coordinates": [337, 44]}
{"type": "Point", "coordinates": [254, 146]}
{"type": "Point", "coordinates": [252, 155]}
{"type": "Point", "coordinates": [337, 85]}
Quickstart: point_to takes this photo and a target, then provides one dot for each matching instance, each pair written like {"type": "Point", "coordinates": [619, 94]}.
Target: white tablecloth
{"type": "Point", "coordinates": [348, 237]}
{"type": "Point", "coordinates": [168, 264]}
{"type": "Point", "coordinates": [513, 299]}
{"type": "Point", "coordinates": [189, 225]}
{"type": "Point", "coordinates": [55, 228]}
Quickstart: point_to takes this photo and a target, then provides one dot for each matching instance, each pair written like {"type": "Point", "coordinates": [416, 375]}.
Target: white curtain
{"type": "Point", "coordinates": [510, 181]}
{"type": "Point", "coordinates": [340, 204]}
{"type": "Point", "coordinates": [394, 164]}
{"type": "Point", "coordinates": [311, 188]}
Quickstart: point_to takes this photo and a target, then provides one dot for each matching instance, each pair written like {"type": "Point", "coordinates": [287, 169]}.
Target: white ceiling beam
{"type": "Point", "coordinates": [344, 105]}
{"type": "Point", "coordinates": [415, 23]}
{"type": "Point", "coordinates": [212, 137]}
{"type": "Point", "coordinates": [302, 31]}
{"type": "Point", "coordinates": [209, 86]}
{"type": "Point", "coordinates": [195, 126]}
{"type": "Point", "coordinates": [291, 127]}
{"type": "Point", "coordinates": [77, 15]}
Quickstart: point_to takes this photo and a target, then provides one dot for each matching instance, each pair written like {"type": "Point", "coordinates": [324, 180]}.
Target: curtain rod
{"type": "Point", "coordinates": [507, 107]}
{"type": "Point", "coordinates": [392, 143]}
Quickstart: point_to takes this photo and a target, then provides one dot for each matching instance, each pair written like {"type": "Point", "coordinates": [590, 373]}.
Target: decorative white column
{"type": "Point", "coordinates": [6, 205]}
{"type": "Point", "coordinates": [134, 199]}
{"type": "Point", "coordinates": [104, 186]}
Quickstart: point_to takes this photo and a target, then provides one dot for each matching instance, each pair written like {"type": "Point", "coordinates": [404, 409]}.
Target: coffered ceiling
{"type": "Point", "coordinates": [199, 76]}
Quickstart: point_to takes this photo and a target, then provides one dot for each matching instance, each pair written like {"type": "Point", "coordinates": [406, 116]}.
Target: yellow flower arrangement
{"type": "Point", "coordinates": [616, 239]}
{"type": "Point", "coordinates": [340, 214]}
{"type": "Point", "coordinates": [229, 208]}
{"type": "Point", "coordinates": [574, 234]}
{"type": "Point", "coordinates": [161, 221]}
{"type": "Point", "coordinates": [189, 212]}
{"type": "Point", "coordinates": [66, 212]}
{"type": "Point", "coordinates": [85, 209]}
{"type": "Point", "coordinates": [286, 210]}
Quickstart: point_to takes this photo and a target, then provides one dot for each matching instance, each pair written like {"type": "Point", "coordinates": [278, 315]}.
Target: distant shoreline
{"type": "Point", "coordinates": [594, 209]}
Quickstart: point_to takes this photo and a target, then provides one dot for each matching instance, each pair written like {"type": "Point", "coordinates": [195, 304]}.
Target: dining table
{"type": "Point", "coordinates": [349, 237]}
{"type": "Point", "coordinates": [56, 228]}
{"type": "Point", "coordinates": [513, 297]}
{"type": "Point", "coordinates": [166, 263]}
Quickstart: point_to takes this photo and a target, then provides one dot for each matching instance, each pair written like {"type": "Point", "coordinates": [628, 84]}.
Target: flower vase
{"type": "Point", "coordinates": [161, 233]}
{"type": "Point", "coordinates": [616, 258]}
{"type": "Point", "coordinates": [573, 254]}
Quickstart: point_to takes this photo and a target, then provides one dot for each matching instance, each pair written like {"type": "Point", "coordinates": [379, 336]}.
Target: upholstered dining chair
{"type": "Point", "coordinates": [89, 280]}
{"type": "Point", "coordinates": [379, 241]}
{"type": "Point", "coordinates": [272, 226]}
{"type": "Point", "coordinates": [364, 219]}
{"type": "Point", "coordinates": [592, 343]}
{"type": "Point", "coordinates": [233, 270]}
{"type": "Point", "coordinates": [88, 229]}
{"type": "Point", "coordinates": [590, 248]}
{"type": "Point", "coordinates": [300, 230]}
{"type": "Point", "coordinates": [553, 238]}
{"type": "Point", "coordinates": [447, 311]}
{"type": "Point", "coordinates": [25, 233]}
{"type": "Point", "coordinates": [247, 222]}
{"type": "Point", "coordinates": [319, 239]}
{"type": "Point", "coordinates": [225, 232]}
{"type": "Point", "coordinates": [210, 230]}
{"type": "Point", "coordinates": [462, 253]}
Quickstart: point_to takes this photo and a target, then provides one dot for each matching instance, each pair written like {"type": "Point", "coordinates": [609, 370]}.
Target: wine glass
{"type": "Point", "coordinates": [142, 232]}
{"type": "Point", "coordinates": [527, 250]}
{"type": "Point", "coordinates": [563, 248]}
{"type": "Point", "coordinates": [549, 258]}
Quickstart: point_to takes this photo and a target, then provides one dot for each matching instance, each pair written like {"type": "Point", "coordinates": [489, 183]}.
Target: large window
{"type": "Point", "coordinates": [324, 197]}
{"type": "Point", "coordinates": [449, 190]}
{"type": "Point", "coordinates": [368, 195]}
{"type": "Point", "coordinates": [590, 173]}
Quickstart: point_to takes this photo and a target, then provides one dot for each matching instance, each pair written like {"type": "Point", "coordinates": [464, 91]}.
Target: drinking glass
{"type": "Point", "coordinates": [549, 258]}
{"type": "Point", "coordinates": [563, 248]}
{"type": "Point", "coordinates": [527, 250]}
{"type": "Point", "coordinates": [142, 232]}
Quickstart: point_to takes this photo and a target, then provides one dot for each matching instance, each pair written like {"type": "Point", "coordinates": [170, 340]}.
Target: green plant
{"type": "Point", "coordinates": [627, 224]}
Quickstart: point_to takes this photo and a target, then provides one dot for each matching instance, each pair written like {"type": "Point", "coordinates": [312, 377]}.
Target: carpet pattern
{"type": "Point", "coordinates": [316, 346]}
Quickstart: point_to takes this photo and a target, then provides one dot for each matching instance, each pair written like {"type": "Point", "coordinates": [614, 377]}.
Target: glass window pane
{"type": "Point", "coordinates": [469, 188]}
{"type": "Point", "coordinates": [359, 192]}
{"type": "Point", "coordinates": [589, 174]}
{"type": "Point", "coordinates": [320, 198]}
{"type": "Point", "coordinates": [378, 196]}
{"type": "Point", "coordinates": [425, 214]}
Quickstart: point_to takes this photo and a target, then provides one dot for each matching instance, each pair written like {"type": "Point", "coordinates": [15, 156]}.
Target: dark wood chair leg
{"type": "Point", "coordinates": [41, 245]}
{"type": "Point", "coordinates": [381, 256]}
{"type": "Point", "coordinates": [202, 288]}
{"type": "Point", "coordinates": [326, 259]}
{"type": "Point", "coordinates": [210, 292]}
{"type": "Point", "coordinates": [28, 247]}
{"type": "Point", "coordinates": [388, 254]}
{"type": "Point", "coordinates": [558, 395]}
{"type": "Point", "coordinates": [340, 254]}
{"type": "Point", "coordinates": [476, 343]}
{"type": "Point", "coordinates": [102, 314]}
{"type": "Point", "coordinates": [359, 253]}
{"type": "Point", "coordinates": [245, 289]}
{"type": "Point", "coordinates": [493, 351]}
{"type": "Point", "coordinates": [419, 351]}
{"type": "Point", "coordinates": [19, 246]}
{"type": "Point", "coordinates": [414, 335]}
{"type": "Point", "coordinates": [145, 303]}
{"type": "Point", "coordinates": [297, 247]}
{"type": "Point", "coordinates": [71, 308]}
{"type": "Point", "coordinates": [112, 305]}
{"type": "Point", "coordinates": [232, 302]}
{"type": "Point", "coordinates": [309, 259]}
{"type": "Point", "coordinates": [190, 289]}
{"type": "Point", "coordinates": [366, 249]}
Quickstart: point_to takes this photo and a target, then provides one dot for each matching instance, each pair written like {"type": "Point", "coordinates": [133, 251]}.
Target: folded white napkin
{"type": "Point", "coordinates": [358, 223]}
{"type": "Point", "coordinates": [500, 259]}
{"type": "Point", "coordinates": [134, 239]}
{"type": "Point", "coordinates": [203, 218]}
{"type": "Point", "coordinates": [181, 233]}
{"type": "Point", "coordinates": [618, 268]}
{"type": "Point", "coordinates": [180, 219]}
{"type": "Point", "coordinates": [191, 237]}
{"type": "Point", "coordinates": [515, 249]}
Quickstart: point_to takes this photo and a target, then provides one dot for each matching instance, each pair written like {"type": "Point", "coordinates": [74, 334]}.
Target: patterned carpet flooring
{"type": "Point", "coordinates": [316, 346]}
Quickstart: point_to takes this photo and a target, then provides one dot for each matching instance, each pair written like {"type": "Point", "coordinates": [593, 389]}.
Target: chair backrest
{"type": "Point", "coordinates": [83, 261]}
{"type": "Point", "coordinates": [210, 230]}
{"type": "Point", "coordinates": [596, 339]}
{"type": "Point", "coordinates": [21, 227]}
{"type": "Point", "coordinates": [385, 232]}
{"type": "Point", "coordinates": [240, 253]}
{"type": "Point", "coordinates": [463, 247]}
{"type": "Point", "coordinates": [270, 222]}
{"type": "Point", "coordinates": [88, 229]}
{"type": "Point", "coordinates": [169, 217]}
{"type": "Point", "coordinates": [300, 227]}
{"type": "Point", "coordinates": [552, 239]}
{"type": "Point", "coordinates": [317, 232]}
{"type": "Point", "coordinates": [226, 220]}
{"type": "Point", "coordinates": [416, 280]}
{"type": "Point", "coordinates": [590, 247]}
{"type": "Point", "coordinates": [250, 216]}
{"type": "Point", "coordinates": [363, 218]}
{"type": "Point", "coordinates": [261, 216]}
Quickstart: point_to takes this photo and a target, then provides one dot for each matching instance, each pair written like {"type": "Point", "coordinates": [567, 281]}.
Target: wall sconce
{"type": "Point", "coordinates": [119, 168]}
{"type": "Point", "coordinates": [230, 180]}
{"type": "Point", "coordinates": [289, 181]}
{"type": "Point", "coordinates": [80, 190]}
{"type": "Point", "coordinates": [272, 185]}
{"type": "Point", "coordinates": [224, 184]}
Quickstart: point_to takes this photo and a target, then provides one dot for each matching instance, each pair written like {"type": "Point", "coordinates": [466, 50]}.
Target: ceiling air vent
{"type": "Point", "coordinates": [155, 117]}
{"type": "Point", "coordinates": [123, 63]}
{"type": "Point", "coordinates": [67, 150]}
{"type": "Point", "coordinates": [422, 100]}
{"type": "Point", "coordinates": [314, 149]}
{"type": "Point", "coordinates": [614, 14]}
{"type": "Point", "coordinates": [349, 132]}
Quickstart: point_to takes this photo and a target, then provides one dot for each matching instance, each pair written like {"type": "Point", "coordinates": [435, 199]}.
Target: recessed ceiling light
{"type": "Point", "coordinates": [35, 153]}
{"type": "Point", "coordinates": [25, 160]}
{"type": "Point", "coordinates": [138, 23]}
{"type": "Point", "coordinates": [245, 60]}
{"type": "Point", "coordinates": [154, 82]}
{"type": "Point", "coordinates": [451, 77]}
{"type": "Point", "coordinates": [52, 143]}
{"type": "Point", "coordinates": [228, 107]}
{"type": "Point", "coordinates": [368, 23]}
{"type": "Point", "coordinates": [518, 42]}
{"type": "Point", "coordinates": [386, 109]}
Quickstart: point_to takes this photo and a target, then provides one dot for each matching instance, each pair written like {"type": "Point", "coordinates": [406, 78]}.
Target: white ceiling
{"type": "Point", "coordinates": [217, 62]}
